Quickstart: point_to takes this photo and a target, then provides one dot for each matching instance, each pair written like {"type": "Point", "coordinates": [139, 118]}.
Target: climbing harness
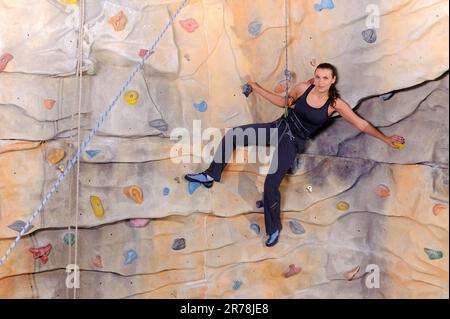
{"type": "Point", "coordinates": [86, 141]}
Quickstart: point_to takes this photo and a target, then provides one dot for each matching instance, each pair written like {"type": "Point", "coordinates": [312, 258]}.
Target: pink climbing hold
{"type": "Point", "coordinates": [383, 191]}
{"type": "Point", "coordinates": [139, 222]}
{"type": "Point", "coordinates": [292, 271]}
{"type": "Point", "coordinates": [4, 60]}
{"type": "Point", "coordinates": [41, 253]}
{"type": "Point", "coordinates": [143, 53]}
{"type": "Point", "coordinates": [190, 25]}
{"type": "Point", "coordinates": [438, 208]}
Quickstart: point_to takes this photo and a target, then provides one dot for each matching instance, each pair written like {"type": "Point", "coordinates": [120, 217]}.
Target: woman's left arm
{"type": "Point", "coordinates": [347, 113]}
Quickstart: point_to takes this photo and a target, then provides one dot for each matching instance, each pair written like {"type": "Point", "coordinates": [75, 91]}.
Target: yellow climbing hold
{"type": "Point", "coordinates": [399, 146]}
{"type": "Point", "coordinates": [131, 97]}
{"type": "Point", "coordinates": [74, 2]}
{"type": "Point", "coordinates": [97, 206]}
{"type": "Point", "coordinates": [342, 206]}
{"type": "Point", "coordinates": [135, 193]}
{"type": "Point", "coordinates": [55, 156]}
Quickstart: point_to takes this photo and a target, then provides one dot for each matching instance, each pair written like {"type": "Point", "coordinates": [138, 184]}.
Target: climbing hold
{"type": "Point", "coordinates": [18, 225]}
{"type": "Point", "coordinates": [247, 89]}
{"type": "Point", "coordinates": [55, 156]}
{"type": "Point", "coordinates": [97, 206]}
{"type": "Point", "coordinates": [237, 284]}
{"type": "Point", "coordinates": [369, 35]}
{"type": "Point", "coordinates": [97, 261]}
{"type": "Point", "coordinates": [143, 53]}
{"type": "Point", "coordinates": [201, 107]}
{"type": "Point", "coordinates": [192, 186]}
{"type": "Point", "coordinates": [292, 271]}
{"type": "Point", "coordinates": [255, 228]}
{"type": "Point", "coordinates": [254, 28]}
{"type": "Point", "coordinates": [138, 222]}
{"type": "Point", "coordinates": [383, 190]}
{"type": "Point", "coordinates": [130, 256]}
{"type": "Point", "coordinates": [313, 62]}
{"type": "Point", "coordinates": [166, 191]}
{"type": "Point", "coordinates": [296, 227]}
{"type": "Point", "coordinates": [69, 239]}
{"type": "Point", "coordinates": [62, 167]}
{"type": "Point", "coordinates": [190, 25]}
{"type": "Point", "coordinates": [72, 2]}
{"type": "Point", "coordinates": [387, 96]}
{"type": "Point", "coordinates": [281, 86]}
{"type": "Point", "coordinates": [4, 60]}
{"type": "Point", "coordinates": [309, 188]}
{"type": "Point", "coordinates": [41, 253]}
{"type": "Point", "coordinates": [324, 4]}
{"type": "Point", "coordinates": [259, 203]}
{"type": "Point", "coordinates": [179, 244]}
{"type": "Point", "coordinates": [118, 21]}
{"type": "Point", "coordinates": [135, 193]}
{"type": "Point", "coordinates": [342, 206]}
{"type": "Point", "coordinates": [92, 153]}
{"type": "Point", "coordinates": [131, 97]}
{"type": "Point", "coordinates": [48, 104]}
{"type": "Point", "coordinates": [177, 179]}
{"type": "Point", "coordinates": [438, 208]}
{"type": "Point", "coordinates": [433, 254]}
{"type": "Point", "coordinates": [350, 275]}
{"type": "Point", "coordinates": [399, 146]}
{"type": "Point", "coordinates": [159, 124]}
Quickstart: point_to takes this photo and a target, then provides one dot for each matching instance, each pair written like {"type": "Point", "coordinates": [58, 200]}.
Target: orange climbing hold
{"type": "Point", "coordinates": [292, 271]}
{"type": "Point", "coordinates": [135, 193]}
{"type": "Point", "coordinates": [4, 60]}
{"type": "Point", "coordinates": [190, 25]}
{"type": "Point", "coordinates": [350, 275]}
{"type": "Point", "coordinates": [97, 261]}
{"type": "Point", "coordinates": [383, 190]}
{"type": "Point", "coordinates": [48, 104]}
{"type": "Point", "coordinates": [438, 208]}
{"type": "Point", "coordinates": [119, 21]}
{"type": "Point", "coordinates": [55, 156]}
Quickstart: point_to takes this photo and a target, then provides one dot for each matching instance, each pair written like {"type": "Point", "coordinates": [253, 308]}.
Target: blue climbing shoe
{"type": "Point", "coordinates": [201, 178]}
{"type": "Point", "coordinates": [273, 239]}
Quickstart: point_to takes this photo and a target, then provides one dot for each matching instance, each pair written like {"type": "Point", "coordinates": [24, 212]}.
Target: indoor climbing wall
{"type": "Point", "coordinates": [353, 207]}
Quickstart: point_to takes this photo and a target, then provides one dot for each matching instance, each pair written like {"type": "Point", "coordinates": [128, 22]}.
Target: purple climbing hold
{"type": "Point", "coordinates": [254, 28]}
{"type": "Point", "coordinates": [130, 256]}
{"type": "Point", "coordinates": [179, 244]}
{"type": "Point", "coordinates": [159, 124]}
{"type": "Point", "coordinates": [296, 227]}
{"type": "Point", "coordinates": [387, 96]}
{"type": "Point", "coordinates": [193, 186]}
{"type": "Point", "coordinates": [324, 4]}
{"type": "Point", "coordinates": [369, 35]}
{"type": "Point", "coordinates": [201, 107]}
{"type": "Point", "coordinates": [92, 153]}
{"type": "Point", "coordinates": [166, 191]}
{"type": "Point", "coordinates": [18, 225]}
{"type": "Point", "coordinates": [247, 89]}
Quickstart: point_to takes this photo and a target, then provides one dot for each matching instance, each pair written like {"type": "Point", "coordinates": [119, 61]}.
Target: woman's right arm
{"type": "Point", "coordinates": [275, 99]}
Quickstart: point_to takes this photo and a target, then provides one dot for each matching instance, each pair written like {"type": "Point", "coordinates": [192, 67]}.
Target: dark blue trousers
{"type": "Point", "coordinates": [285, 152]}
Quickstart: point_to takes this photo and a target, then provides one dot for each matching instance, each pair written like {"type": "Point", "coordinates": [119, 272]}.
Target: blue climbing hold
{"type": "Point", "coordinates": [237, 284]}
{"type": "Point", "coordinates": [324, 4]}
{"type": "Point", "coordinates": [255, 228]}
{"type": "Point", "coordinates": [193, 186]}
{"type": "Point", "coordinates": [92, 153]}
{"type": "Point", "coordinates": [254, 28]}
{"type": "Point", "coordinates": [159, 124]}
{"type": "Point", "coordinates": [201, 107]}
{"type": "Point", "coordinates": [130, 256]}
{"type": "Point", "coordinates": [166, 191]}
{"type": "Point", "coordinates": [369, 35]}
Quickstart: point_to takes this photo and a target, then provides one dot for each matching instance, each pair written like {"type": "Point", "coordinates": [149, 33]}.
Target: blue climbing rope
{"type": "Point", "coordinates": [89, 137]}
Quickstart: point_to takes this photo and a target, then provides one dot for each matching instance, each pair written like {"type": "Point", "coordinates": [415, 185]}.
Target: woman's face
{"type": "Point", "coordinates": [323, 79]}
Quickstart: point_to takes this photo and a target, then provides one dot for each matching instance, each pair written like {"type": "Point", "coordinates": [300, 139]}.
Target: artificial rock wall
{"type": "Point", "coordinates": [143, 232]}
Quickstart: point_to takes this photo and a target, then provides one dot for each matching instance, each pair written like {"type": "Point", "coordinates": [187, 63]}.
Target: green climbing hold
{"type": "Point", "coordinates": [433, 254]}
{"type": "Point", "coordinates": [69, 239]}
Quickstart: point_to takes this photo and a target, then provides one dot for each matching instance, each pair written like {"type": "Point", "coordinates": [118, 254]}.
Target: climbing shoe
{"type": "Point", "coordinates": [201, 178]}
{"type": "Point", "coordinates": [273, 239]}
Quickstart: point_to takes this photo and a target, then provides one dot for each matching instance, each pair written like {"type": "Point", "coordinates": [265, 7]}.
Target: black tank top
{"type": "Point", "coordinates": [304, 120]}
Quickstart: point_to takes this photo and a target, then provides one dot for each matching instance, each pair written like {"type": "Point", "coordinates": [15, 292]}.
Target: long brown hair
{"type": "Point", "coordinates": [333, 91]}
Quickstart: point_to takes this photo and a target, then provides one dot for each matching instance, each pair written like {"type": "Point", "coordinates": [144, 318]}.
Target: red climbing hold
{"type": "Point", "coordinates": [41, 253]}
{"type": "Point", "coordinates": [292, 271]}
{"type": "Point", "coordinates": [189, 25]}
{"type": "Point", "coordinates": [143, 52]}
{"type": "Point", "coordinates": [4, 60]}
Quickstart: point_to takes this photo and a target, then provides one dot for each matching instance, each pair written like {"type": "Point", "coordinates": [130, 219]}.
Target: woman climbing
{"type": "Point", "coordinates": [309, 107]}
